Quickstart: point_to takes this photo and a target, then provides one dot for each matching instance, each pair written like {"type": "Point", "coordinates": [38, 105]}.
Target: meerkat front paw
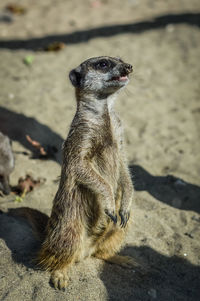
{"type": "Point", "coordinates": [111, 215]}
{"type": "Point", "coordinates": [124, 215]}
{"type": "Point", "coordinates": [59, 279]}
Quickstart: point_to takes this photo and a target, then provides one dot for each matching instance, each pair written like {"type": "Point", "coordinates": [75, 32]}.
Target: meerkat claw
{"type": "Point", "coordinates": [124, 218]}
{"type": "Point", "coordinates": [112, 216]}
{"type": "Point", "coordinates": [115, 219]}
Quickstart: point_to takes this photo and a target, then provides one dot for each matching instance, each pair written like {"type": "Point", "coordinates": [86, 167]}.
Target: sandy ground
{"type": "Point", "coordinates": [160, 110]}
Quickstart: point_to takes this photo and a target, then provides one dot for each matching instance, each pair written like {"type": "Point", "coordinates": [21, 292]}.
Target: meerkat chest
{"type": "Point", "coordinates": [104, 146]}
{"type": "Point", "coordinates": [105, 153]}
{"type": "Point", "coordinates": [106, 142]}
{"type": "Point", "coordinates": [116, 130]}
{"type": "Point", "coordinates": [107, 139]}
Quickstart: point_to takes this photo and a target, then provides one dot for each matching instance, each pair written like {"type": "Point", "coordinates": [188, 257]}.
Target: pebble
{"type": "Point", "coordinates": [170, 28]}
{"type": "Point", "coordinates": [11, 96]}
{"type": "Point", "coordinates": [153, 293]}
{"type": "Point", "coordinates": [176, 202]}
{"type": "Point", "coordinates": [180, 182]}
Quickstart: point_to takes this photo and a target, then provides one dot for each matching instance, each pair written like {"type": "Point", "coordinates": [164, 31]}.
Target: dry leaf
{"type": "Point", "coordinates": [55, 46]}
{"type": "Point", "coordinates": [16, 9]}
{"type": "Point", "coordinates": [26, 185]}
{"type": "Point", "coordinates": [37, 145]}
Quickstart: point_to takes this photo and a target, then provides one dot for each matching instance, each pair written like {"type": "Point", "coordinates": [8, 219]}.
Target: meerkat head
{"type": "Point", "coordinates": [101, 76]}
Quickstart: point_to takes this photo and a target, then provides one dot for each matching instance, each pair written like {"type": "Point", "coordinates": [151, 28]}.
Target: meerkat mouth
{"type": "Point", "coordinates": [119, 78]}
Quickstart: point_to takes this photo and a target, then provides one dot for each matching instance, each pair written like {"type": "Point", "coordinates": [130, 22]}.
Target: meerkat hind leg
{"type": "Point", "coordinates": [110, 245]}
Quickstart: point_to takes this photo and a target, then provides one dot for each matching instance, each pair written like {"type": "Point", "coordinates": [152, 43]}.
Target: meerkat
{"type": "Point", "coordinates": [6, 163]}
{"type": "Point", "coordinates": [91, 208]}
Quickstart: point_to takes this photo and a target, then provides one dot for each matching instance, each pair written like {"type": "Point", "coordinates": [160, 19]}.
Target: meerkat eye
{"type": "Point", "coordinates": [103, 65]}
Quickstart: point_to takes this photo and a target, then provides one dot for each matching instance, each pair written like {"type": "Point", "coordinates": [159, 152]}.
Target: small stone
{"type": "Point", "coordinates": [170, 28]}
{"type": "Point", "coordinates": [176, 202]}
{"type": "Point", "coordinates": [11, 96]}
{"type": "Point", "coordinates": [179, 182]}
{"type": "Point", "coordinates": [153, 293]}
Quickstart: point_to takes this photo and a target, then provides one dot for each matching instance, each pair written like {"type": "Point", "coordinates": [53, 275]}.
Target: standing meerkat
{"type": "Point", "coordinates": [91, 209]}
{"type": "Point", "coordinates": [92, 206]}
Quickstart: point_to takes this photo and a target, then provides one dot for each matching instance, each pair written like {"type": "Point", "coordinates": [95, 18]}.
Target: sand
{"type": "Point", "coordinates": [160, 111]}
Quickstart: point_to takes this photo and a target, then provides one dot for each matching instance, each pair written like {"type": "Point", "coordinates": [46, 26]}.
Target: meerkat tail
{"type": "Point", "coordinates": [61, 248]}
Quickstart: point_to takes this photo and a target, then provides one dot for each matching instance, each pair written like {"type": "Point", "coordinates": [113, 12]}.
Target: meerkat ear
{"type": "Point", "coordinates": [75, 77]}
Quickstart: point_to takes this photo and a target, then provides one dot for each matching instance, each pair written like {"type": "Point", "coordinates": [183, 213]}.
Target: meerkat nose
{"type": "Point", "coordinates": [129, 67]}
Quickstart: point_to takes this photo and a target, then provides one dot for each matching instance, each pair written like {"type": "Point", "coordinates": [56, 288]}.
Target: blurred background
{"type": "Point", "coordinates": [40, 42]}
{"type": "Point", "coordinates": [27, 19]}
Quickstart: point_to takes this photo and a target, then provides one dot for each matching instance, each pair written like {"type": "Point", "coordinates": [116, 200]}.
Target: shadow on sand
{"type": "Point", "coordinates": [16, 126]}
{"type": "Point", "coordinates": [192, 19]}
{"type": "Point", "coordinates": [168, 189]}
{"type": "Point", "coordinates": [169, 278]}
{"type": "Point", "coordinates": [18, 236]}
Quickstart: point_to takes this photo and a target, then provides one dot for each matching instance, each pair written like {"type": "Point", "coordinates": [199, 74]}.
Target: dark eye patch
{"type": "Point", "coordinates": [103, 65]}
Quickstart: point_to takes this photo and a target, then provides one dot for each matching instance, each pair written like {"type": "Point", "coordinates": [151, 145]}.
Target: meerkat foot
{"type": "Point", "coordinates": [59, 279]}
